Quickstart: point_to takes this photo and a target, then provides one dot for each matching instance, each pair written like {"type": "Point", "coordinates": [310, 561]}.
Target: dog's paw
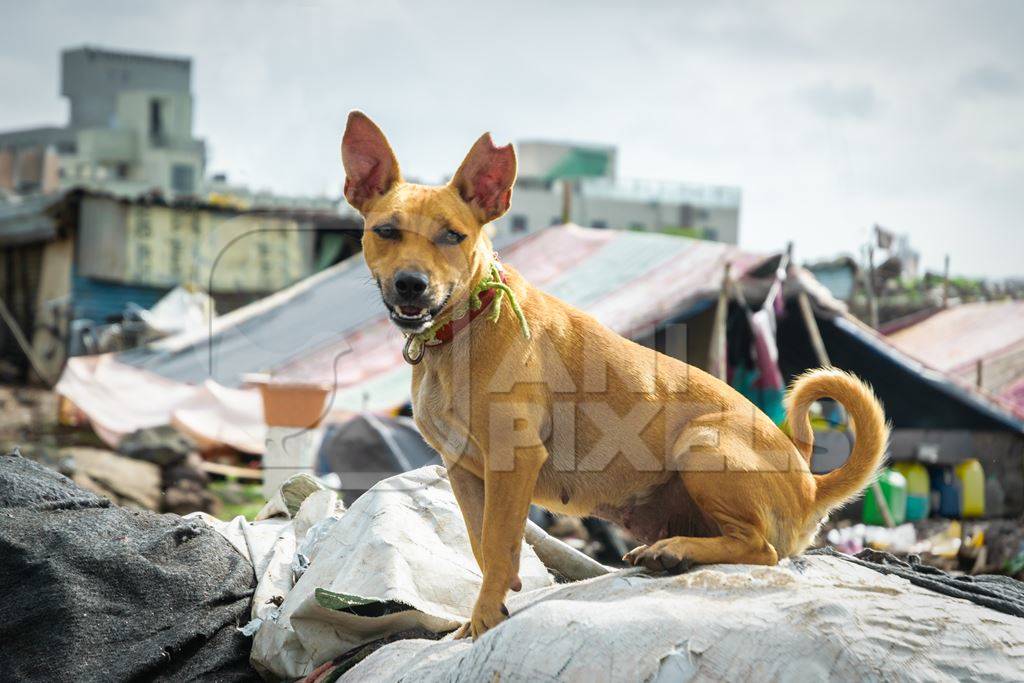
{"type": "Point", "coordinates": [485, 617]}
{"type": "Point", "coordinates": [462, 631]}
{"type": "Point", "coordinates": [662, 556]}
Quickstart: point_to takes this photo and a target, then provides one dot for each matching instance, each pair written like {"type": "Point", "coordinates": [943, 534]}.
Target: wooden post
{"type": "Point", "coordinates": [807, 313]}
{"type": "Point", "coordinates": [945, 284]}
{"type": "Point", "coordinates": [291, 411]}
{"type": "Point", "coordinates": [24, 344]}
{"type": "Point", "coordinates": [566, 201]}
{"type": "Point", "coordinates": [717, 351]}
{"type": "Point", "coordinates": [872, 299]}
{"type": "Point", "coordinates": [980, 379]}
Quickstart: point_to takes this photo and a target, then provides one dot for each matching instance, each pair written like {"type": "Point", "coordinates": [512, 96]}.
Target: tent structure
{"type": "Point", "coordinates": [369, 448]}
{"type": "Point", "coordinates": [332, 328]}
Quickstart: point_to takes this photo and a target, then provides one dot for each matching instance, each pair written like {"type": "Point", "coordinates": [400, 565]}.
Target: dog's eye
{"type": "Point", "coordinates": [450, 236]}
{"type": "Point", "coordinates": [387, 232]}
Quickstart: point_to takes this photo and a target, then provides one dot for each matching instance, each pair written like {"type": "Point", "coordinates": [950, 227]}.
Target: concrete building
{"type": "Point", "coordinates": [599, 199]}
{"type": "Point", "coordinates": [129, 130]}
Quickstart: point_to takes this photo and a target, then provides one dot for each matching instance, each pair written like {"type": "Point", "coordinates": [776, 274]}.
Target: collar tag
{"type": "Point", "coordinates": [412, 352]}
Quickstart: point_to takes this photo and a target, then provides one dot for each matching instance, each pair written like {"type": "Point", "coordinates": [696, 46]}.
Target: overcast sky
{"type": "Point", "coordinates": [829, 116]}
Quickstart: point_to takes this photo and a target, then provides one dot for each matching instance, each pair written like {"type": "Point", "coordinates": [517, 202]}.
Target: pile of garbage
{"type": "Point", "coordinates": [153, 469]}
{"type": "Point", "coordinates": [985, 546]}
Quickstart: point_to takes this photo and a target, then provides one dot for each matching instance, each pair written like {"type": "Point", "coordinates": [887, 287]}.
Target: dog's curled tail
{"type": "Point", "coordinates": [870, 431]}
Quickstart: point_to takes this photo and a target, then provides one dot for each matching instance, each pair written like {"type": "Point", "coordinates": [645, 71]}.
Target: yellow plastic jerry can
{"type": "Point", "coordinates": [972, 483]}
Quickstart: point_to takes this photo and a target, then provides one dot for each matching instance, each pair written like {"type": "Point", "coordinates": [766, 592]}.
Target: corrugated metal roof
{"type": "Point", "coordinates": [25, 221]}
{"type": "Point", "coordinates": [976, 400]}
{"type": "Point", "coordinates": [959, 337]}
{"type": "Point", "coordinates": [956, 340]}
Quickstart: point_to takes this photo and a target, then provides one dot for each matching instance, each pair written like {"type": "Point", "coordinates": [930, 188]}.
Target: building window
{"type": "Point", "coordinates": [156, 121]}
{"type": "Point", "coordinates": [183, 179]}
{"type": "Point", "coordinates": [519, 223]}
{"type": "Point", "coordinates": [686, 216]}
{"type": "Point", "coordinates": [602, 225]}
{"type": "Point", "coordinates": [121, 171]}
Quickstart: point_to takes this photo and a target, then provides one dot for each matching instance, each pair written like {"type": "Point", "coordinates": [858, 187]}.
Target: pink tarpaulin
{"type": "Point", "coordinates": [119, 399]}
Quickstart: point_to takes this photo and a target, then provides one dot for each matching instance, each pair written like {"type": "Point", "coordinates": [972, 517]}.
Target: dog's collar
{"type": "Point", "coordinates": [490, 291]}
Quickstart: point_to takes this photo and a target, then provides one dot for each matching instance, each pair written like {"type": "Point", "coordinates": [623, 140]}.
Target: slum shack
{"type": "Point", "coordinates": [74, 262]}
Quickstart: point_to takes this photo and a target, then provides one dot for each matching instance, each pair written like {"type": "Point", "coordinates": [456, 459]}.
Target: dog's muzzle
{"type": "Point", "coordinates": [409, 301]}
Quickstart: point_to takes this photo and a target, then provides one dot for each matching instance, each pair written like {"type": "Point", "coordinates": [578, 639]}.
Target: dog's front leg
{"type": "Point", "coordinates": [469, 493]}
{"type": "Point", "coordinates": [507, 496]}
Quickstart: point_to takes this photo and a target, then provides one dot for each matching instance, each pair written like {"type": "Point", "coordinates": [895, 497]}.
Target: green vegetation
{"type": "Point", "coordinates": [238, 498]}
{"type": "Point", "coordinates": [692, 233]}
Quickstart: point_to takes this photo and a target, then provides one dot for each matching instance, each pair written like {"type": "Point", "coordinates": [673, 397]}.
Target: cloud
{"type": "Point", "coordinates": [989, 80]}
{"type": "Point", "coordinates": [832, 102]}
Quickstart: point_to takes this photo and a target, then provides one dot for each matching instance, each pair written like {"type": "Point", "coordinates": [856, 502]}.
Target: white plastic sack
{"type": "Point", "coordinates": [271, 543]}
{"type": "Point", "coordinates": [180, 310]}
{"type": "Point", "coordinates": [812, 618]}
{"type": "Point", "coordinates": [401, 554]}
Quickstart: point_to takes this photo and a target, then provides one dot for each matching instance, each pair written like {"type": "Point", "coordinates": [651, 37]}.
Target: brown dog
{"type": "Point", "coordinates": [530, 400]}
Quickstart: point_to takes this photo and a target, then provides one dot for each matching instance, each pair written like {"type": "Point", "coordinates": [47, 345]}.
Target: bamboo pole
{"type": "Point", "coordinates": [717, 351]}
{"type": "Point", "coordinates": [872, 297]}
{"type": "Point", "coordinates": [563, 558]}
{"type": "Point", "coordinates": [23, 342]}
{"type": "Point", "coordinates": [807, 313]}
{"type": "Point", "coordinates": [945, 283]}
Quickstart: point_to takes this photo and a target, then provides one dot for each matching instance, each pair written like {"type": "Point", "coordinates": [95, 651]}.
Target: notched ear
{"type": "Point", "coordinates": [485, 178]}
{"type": "Point", "coordinates": [370, 166]}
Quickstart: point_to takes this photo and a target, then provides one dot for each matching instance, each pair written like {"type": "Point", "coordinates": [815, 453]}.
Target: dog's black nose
{"type": "Point", "coordinates": [410, 284]}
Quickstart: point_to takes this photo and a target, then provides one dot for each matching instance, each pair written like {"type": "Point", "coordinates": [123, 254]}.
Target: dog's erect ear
{"type": "Point", "coordinates": [485, 178]}
{"type": "Point", "coordinates": [370, 166]}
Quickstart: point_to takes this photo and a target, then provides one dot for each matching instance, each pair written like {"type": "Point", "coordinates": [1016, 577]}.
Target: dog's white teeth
{"type": "Point", "coordinates": [412, 314]}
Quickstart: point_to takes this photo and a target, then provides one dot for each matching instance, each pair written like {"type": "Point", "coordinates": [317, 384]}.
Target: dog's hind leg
{"type": "Point", "coordinates": [733, 508]}
{"type": "Point", "coordinates": [737, 545]}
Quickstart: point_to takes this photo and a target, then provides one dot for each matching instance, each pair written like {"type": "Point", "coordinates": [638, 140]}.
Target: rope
{"type": "Point", "coordinates": [501, 292]}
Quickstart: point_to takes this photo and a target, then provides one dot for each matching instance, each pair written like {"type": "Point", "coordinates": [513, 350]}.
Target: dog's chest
{"type": "Point", "coordinates": [438, 415]}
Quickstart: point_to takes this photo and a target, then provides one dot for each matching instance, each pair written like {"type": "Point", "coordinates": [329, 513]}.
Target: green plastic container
{"type": "Point", "coordinates": [894, 490]}
{"type": "Point", "coordinates": [918, 489]}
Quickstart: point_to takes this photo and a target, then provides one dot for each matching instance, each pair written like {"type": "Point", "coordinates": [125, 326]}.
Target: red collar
{"type": "Point", "coordinates": [447, 332]}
